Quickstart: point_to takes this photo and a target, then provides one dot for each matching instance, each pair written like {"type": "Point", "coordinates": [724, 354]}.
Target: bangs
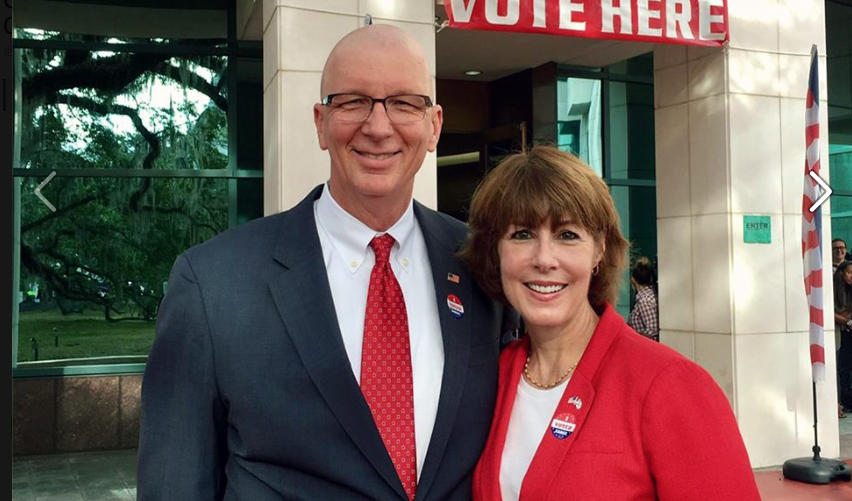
{"type": "Point", "coordinates": [535, 193]}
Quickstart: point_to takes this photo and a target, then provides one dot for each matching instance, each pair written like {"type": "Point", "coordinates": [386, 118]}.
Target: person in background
{"type": "Point", "coordinates": [643, 317]}
{"type": "Point", "coordinates": [587, 409]}
{"type": "Point", "coordinates": [843, 335]}
{"type": "Point", "coordinates": [838, 253]}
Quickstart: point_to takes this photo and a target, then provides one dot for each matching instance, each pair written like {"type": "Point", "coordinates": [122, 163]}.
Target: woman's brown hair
{"type": "Point", "coordinates": [544, 184]}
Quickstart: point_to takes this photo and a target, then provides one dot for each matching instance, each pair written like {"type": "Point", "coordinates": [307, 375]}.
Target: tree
{"type": "Point", "coordinates": [112, 240]}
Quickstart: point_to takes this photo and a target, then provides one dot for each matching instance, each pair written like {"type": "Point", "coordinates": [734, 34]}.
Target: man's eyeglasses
{"type": "Point", "coordinates": [356, 108]}
{"type": "Point", "coordinates": [839, 248]}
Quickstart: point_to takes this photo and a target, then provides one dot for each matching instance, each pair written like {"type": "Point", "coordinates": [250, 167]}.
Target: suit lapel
{"type": "Point", "coordinates": [455, 333]}
{"type": "Point", "coordinates": [303, 297]}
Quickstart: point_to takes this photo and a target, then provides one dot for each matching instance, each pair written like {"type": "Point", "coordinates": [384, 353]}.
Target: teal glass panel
{"type": "Point", "coordinates": [579, 126]}
{"type": "Point", "coordinates": [631, 127]}
{"type": "Point", "coordinates": [637, 208]}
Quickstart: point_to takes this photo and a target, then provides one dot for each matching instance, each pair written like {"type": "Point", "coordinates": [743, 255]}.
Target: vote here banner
{"type": "Point", "coordinates": [688, 22]}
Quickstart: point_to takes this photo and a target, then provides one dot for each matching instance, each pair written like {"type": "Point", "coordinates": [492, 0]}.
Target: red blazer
{"type": "Point", "coordinates": [642, 423]}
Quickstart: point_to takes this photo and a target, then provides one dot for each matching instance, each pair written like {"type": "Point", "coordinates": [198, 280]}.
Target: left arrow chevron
{"type": "Point", "coordinates": [37, 192]}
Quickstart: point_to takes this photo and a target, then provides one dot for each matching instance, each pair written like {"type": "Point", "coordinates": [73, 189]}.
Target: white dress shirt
{"type": "Point", "coordinates": [349, 262]}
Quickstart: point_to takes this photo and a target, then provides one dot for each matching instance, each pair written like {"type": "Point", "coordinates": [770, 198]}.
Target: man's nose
{"type": "Point", "coordinates": [378, 122]}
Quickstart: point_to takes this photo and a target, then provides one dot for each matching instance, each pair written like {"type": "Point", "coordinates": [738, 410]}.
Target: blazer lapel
{"type": "Point", "coordinates": [570, 415]}
{"type": "Point", "coordinates": [488, 483]}
{"type": "Point", "coordinates": [303, 298]}
{"type": "Point", "coordinates": [455, 333]}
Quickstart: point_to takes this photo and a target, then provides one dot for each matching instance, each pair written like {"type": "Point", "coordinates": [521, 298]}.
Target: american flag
{"type": "Point", "coordinates": [812, 225]}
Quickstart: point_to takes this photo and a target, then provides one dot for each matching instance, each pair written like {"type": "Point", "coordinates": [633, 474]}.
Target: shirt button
{"type": "Point", "coordinates": [405, 262]}
{"type": "Point", "coordinates": [353, 264]}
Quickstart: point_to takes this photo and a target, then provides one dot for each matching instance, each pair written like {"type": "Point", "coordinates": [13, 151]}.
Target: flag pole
{"type": "Point", "coordinates": [816, 448]}
{"type": "Point", "coordinates": [815, 470]}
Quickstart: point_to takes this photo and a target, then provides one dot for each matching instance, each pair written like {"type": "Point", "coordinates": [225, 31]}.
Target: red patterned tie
{"type": "Point", "coordinates": [386, 379]}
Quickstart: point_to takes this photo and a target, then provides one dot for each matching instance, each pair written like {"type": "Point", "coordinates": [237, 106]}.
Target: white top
{"type": "Point", "coordinates": [349, 262]}
{"type": "Point", "coordinates": [530, 420]}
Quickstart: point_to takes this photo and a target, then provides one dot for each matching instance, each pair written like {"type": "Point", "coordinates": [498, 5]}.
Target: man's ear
{"type": "Point", "coordinates": [437, 124]}
{"type": "Point", "coordinates": [319, 121]}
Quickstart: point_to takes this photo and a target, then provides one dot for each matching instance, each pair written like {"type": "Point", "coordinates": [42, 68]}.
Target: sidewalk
{"type": "Point", "coordinates": [111, 476]}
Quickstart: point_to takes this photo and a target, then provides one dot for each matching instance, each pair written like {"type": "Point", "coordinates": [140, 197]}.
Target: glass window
{"type": "Point", "coordinates": [136, 118]}
{"type": "Point", "coordinates": [119, 110]}
{"type": "Point", "coordinates": [637, 207]}
{"type": "Point", "coordinates": [93, 273]}
{"type": "Point", "coordinates": [579, 128]}
{"type": "Point", "coordinates": [631, 127]}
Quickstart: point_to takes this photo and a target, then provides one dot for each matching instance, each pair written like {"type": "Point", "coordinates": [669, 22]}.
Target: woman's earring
{"type": "Point", "coordinates": [596, 269]}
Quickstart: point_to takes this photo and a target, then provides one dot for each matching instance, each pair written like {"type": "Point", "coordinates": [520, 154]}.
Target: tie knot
{"type": "Point", "coordinates": [381, 247]}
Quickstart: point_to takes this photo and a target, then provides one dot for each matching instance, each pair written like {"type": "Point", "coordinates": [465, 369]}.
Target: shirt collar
{"type": "Point", "coordinates": [351, 238]}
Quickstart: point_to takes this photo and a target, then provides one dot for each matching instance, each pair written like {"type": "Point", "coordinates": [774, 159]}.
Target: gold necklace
{"type": "Point", "coordinates": [545, 386]}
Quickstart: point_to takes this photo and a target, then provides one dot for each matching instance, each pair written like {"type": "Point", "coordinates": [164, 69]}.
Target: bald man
{"type": "Point", "coordinates": [338, 350]}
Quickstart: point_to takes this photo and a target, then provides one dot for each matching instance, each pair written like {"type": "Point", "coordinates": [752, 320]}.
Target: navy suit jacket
{"type": "Point", "coordinates": [249, 394]}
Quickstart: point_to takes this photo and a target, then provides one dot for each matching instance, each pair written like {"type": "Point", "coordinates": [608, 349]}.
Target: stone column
{"type": "Point", "coordinates": [730, 142]}
{"type": "Point", "coordinates": [297, 38]}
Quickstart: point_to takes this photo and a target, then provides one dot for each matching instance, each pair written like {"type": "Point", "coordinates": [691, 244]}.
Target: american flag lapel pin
{"type": "Point", "coordinates": [452, 277]}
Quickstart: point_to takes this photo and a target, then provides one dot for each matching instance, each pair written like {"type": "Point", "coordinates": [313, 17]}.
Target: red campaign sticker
{"type": "Point", "coordinates": [455, 305]}
{"type": "Point", "coordinates": [563, 426]}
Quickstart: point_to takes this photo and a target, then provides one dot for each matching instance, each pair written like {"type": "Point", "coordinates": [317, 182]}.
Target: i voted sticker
{"type": "Point", "coordinates": [455, 305]}
{"type": "Point", "coordinates": [563, 426]}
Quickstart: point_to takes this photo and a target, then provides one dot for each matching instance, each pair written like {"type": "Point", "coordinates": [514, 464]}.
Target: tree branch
{"type": "Point", "coordinates": [60, 212]}
{"type": "Point", "coordinates": [108, 74]}
{"type": "Point", "coordinates": [195, 81]}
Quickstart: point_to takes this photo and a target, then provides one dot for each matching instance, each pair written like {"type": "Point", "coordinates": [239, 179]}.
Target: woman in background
{"type": "Point", "coordinates": [587, 409]}
{"type": "Point", "coordinates": [643, 318]}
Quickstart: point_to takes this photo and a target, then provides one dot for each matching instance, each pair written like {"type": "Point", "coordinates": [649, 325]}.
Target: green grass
{"type": "Point", "coordinates": [81, 336]}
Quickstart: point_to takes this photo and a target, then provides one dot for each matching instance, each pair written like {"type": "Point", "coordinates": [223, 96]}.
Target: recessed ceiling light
{"type": "Point", "coordinates": [473, 73]}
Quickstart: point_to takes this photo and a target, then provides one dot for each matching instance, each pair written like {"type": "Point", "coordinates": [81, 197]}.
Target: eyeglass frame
{"type": "Point", "coordinates": [326, 101]}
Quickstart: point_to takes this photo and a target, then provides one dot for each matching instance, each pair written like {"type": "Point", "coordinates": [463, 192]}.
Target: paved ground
{"type": "Point", "coordinates": [92, 476]}
{"type": "Point", "coordinates": [111, 476]}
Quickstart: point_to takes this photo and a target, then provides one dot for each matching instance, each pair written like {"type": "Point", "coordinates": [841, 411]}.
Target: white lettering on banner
{"type": "Point", "coordinates": [513, 13]}
{"type": "Point", "coordinates": [539, 13]}
{"type": "Point", "coordinates": [461, 11]}
{"type": "Point", "coordinates": [675, 19]}
{"type": "Point", "coordinates": [689, 22]}
{"type": "Point", "coordinates": [567, 8]}
{"type": "Point", "coordinates": [622, 11]}
{"type": "Point", "coordinates": [707, 19]}
{"type": "Point", "coordinates": [646, 14]}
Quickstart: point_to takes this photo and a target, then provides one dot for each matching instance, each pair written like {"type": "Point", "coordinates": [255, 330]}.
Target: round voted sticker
{"type": "Point", "coordinates": [455, 306]}
{"type": "Point", "coordinates": [563, 426]}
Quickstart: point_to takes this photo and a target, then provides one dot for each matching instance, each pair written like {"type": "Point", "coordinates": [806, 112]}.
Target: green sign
{"type": "Point", "coordinates": [757, 229]}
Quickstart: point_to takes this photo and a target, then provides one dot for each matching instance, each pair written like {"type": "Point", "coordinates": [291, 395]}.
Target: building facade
{"type": "Point", "coordinates": [691, 140]}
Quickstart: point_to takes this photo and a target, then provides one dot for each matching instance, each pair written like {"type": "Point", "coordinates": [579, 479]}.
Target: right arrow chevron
{"type": "Point", "coordinates": [826, 191]}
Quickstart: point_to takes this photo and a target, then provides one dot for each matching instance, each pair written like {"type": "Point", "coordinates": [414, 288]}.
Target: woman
{"type": "Point", "coordinates": [643, 318]}
{"type": "Point", "coordinates": [587, 409]}
{"type": "Point", "coordinates": [843, 331]}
